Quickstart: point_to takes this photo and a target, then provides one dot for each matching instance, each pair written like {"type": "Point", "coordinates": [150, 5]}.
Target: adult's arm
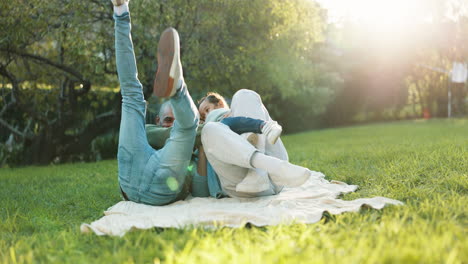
{"type": "Point", "coordinates": [199, 176]}
{"type": "Point", "coordinates": [201, 168]}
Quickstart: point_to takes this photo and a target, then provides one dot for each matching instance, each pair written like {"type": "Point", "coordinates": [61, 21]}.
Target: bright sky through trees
{"type": "Point", "coordinates": [393, 12]}
{"type": "Point", "coordinates": [393, 25]}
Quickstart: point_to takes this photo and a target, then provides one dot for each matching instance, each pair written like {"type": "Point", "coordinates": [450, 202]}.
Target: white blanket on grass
{"type": "Point", "coordinates": [305, 204]}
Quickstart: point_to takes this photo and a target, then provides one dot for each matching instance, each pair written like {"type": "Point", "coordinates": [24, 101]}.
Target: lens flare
{"type": "Point", "coordinates": [172, 183]}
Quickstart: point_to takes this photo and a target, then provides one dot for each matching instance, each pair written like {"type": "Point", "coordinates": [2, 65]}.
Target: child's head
{"type": "Point", "coordinates": [210, 102]}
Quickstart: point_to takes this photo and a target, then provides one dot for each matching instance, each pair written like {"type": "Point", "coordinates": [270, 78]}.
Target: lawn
{"type": "Point", "coordinates": [422, 163]}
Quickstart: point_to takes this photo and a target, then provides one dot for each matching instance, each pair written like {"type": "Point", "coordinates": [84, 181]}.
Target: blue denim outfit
{"type": "Point", "coordinates": [149, 176]}
{"type": "Point", "coordinates": [242, 124]}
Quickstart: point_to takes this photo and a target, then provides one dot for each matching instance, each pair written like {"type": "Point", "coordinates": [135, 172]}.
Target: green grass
{"type": "Point", "coordinates": [422, 163]}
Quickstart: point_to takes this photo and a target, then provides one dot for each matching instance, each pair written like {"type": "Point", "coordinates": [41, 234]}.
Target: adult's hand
{"type": "Point", "coordinates": [201, 168]}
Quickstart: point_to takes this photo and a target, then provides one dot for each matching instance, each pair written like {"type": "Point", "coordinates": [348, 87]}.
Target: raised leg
{"type": "Point", "coordinates": [174, 158]}
{"type": "Point", "coordinates": [248, 103]}
{"type": "Point", "coordinates": [134, 149]}
{"type": "Point", "coordinates": [177, 152]}
{"type": "Point", "coordinates": [230, 155]}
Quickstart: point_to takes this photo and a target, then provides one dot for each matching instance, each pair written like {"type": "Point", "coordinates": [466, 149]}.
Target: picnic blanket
{"type": "Point", "coordinates": [304, 204]}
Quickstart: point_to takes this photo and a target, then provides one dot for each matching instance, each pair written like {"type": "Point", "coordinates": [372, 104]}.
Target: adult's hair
{"type": "Point", "coordinates": [163, 107]}
{"type": "Point", "coordinates": [214, 98]}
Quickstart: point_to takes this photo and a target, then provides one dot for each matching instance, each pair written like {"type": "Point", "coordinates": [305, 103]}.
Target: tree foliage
{"type": "Point", "coordinates": [51, 54]}
{"type": "Point", "coordinates": [56, 56]}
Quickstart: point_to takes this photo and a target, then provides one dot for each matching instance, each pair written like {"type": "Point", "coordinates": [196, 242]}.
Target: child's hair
{"type": "Point", "coordinates": [214, 98]}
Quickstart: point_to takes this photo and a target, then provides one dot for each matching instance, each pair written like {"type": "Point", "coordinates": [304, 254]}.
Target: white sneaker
{"type": "Point", "coordinates": [290, 175]}
{"type": "Point", "coordinates": [169, 75]}
{"type": "Point", "coordinates": [119, 2]}
{"type": "Point", "coordinates": [255, 181]}
{"type": "Point", "coordinates": [272, 130]}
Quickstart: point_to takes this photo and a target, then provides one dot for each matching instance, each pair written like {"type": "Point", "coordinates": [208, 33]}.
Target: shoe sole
{"type": "Point", "coordinates": [163, 82]}
{"type": "Point", "coordinates": [272, 140]}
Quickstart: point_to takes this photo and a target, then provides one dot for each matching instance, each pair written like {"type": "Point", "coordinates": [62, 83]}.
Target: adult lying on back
{"type": "Point", "coordinates": [146, 175]}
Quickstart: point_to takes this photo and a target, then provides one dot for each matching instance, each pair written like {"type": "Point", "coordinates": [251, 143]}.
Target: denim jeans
{"type": "Point", "coordinates": [146, 175]}
{"type": "Point", "coordinates": [242, 124]}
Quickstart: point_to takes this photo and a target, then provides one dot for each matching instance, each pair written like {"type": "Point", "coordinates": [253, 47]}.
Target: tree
{"type": "Point", "coordinates": [389, 71]}
{"type": "Point", "coordinates": [57, 63]}
{"type": "Point", "coordinates": [48, 66]}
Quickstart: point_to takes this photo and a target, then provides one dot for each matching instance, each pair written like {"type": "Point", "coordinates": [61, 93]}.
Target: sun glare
{"type": "Point", "coordinates": [394, 13]}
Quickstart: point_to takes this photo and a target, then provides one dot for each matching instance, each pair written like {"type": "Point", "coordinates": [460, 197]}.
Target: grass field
{"type": "Point", "coordinates": [422, 163]}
